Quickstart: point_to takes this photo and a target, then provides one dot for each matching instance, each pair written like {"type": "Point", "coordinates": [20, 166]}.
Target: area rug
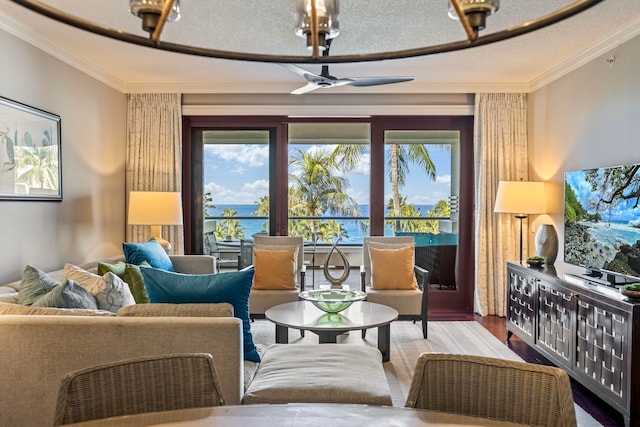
{"type": "Point", "coordinates": [460, 337]}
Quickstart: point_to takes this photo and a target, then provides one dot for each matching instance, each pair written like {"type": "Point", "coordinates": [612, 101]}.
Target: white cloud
{"type": "Point", "coordinates": [252, 155]}
{"type": "Point", "coordinates": [260, 187]}
{"type": "Point", "coordinates": [250, 193]}
{"type": "Point", "coordinates": [443, 179]}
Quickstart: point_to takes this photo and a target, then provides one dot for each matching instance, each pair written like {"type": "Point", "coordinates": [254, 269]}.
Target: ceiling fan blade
{"type": "Point", "coordinates": [375, 81]}
{"type": "Point", "coordinates": [305, 89]}
{"type": "Point", "coordinates": [308, 75]}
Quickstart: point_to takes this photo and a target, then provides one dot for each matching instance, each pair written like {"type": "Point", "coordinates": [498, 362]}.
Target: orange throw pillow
{"type": "Point", "coordinates": [274, 269]}
{"type": "Point", "coordinates": [392, 268]}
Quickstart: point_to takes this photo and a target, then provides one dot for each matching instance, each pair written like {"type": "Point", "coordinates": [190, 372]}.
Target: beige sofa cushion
{"type": "Point", "coordinates": [178, 310]}
{"type": "Point", "coordinates": [10, 308]}
{"type": "Point", "coordinates": [320, 373]}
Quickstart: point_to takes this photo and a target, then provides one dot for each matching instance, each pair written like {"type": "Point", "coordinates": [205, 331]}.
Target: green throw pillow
{"type": "Point", "coordinates": [131, 275]}
{"type": "Point", "coordinates": [232, 288]}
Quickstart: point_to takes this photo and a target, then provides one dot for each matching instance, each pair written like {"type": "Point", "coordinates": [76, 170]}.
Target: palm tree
{"type": "Point", "coordinates": [317, 188]}
{"type": "Point", "coordinates": [38, 167]}
{"type": "Point", "coordinates": [399, 158]}
{"type": "Point", "coordinates": [229, 228]}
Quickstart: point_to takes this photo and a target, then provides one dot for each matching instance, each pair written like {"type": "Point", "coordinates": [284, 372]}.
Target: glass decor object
{"type": "Point", "coordinates": [327, 21]}
{"type": "Point", "coordinates": [149, 11]}
{"type": "Point", "coordinates": [332, 300]}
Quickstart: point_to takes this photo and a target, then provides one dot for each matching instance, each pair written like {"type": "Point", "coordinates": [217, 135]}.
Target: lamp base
{"type": "Point", "coordinates": [156, 233]}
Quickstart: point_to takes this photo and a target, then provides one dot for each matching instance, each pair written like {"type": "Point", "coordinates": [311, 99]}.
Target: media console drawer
{"type": "Point", "coordinates": [592, 333]}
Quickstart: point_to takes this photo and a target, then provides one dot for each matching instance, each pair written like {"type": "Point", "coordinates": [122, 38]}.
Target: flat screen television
{"type": "Point", "coordinates": [602, 222]}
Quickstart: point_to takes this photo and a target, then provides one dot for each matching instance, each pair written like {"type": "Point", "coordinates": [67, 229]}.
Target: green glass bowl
{"type": "Point", "coordinates": [332, 300]}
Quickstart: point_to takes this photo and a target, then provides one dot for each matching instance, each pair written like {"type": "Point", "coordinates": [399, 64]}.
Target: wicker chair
{"type": "Point", "coordinates": [132, 386]}
{"type": "Point", "coordinates": [517, 392]}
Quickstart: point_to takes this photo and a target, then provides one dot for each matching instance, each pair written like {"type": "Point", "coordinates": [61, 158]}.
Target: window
{"type": "Point", "coordinates": [436, 206]}
{"type": "Point", "coordinates": [328, 182]}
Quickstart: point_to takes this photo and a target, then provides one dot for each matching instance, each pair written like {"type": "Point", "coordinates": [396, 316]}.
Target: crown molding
{"type": "Point", "coordinates": [28, 35]}
{"type": "Point", "coordinates": [586, 56]}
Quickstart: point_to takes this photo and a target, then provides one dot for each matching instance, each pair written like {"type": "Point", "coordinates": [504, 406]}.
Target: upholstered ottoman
{"type": "Point", "coordinates": [320, 373]}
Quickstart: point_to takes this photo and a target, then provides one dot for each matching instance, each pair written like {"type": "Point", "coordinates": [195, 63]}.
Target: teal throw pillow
{"type": "Point", "coordinates": [232, 288]}
{"type": "Point", "coordinates": [70, 294]}
{"type": "Point", "coordinates": [150, 251]}
{"type": "Point", "coordinates": [131, 275]}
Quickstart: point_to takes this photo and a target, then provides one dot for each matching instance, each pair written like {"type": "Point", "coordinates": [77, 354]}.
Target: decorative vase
{"type": "Point", "coordinates": [547, 243]}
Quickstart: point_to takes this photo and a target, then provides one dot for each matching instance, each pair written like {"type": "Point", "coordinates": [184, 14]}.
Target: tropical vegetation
{"type": "Point", "coordinates": [318, 186]}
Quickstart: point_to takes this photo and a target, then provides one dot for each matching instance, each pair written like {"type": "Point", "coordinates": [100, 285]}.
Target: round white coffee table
{"type": "Point", "coordinates": [303, 315]}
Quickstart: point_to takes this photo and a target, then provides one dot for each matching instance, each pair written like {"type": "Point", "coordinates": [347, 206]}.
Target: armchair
{"type": "Point", "coordinates": [280, 272]}
{"type": "Point", "coordinates": [390, 277]}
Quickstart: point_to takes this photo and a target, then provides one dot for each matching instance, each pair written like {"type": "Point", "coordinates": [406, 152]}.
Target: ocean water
{"type": "Point", "coordinates": [613, 234]}
{"type": "Point", "coordinates": [252, 226]}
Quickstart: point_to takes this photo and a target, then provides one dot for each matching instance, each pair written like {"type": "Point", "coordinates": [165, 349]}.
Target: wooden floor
{"type": "Point", "coordinates": [587, 400]}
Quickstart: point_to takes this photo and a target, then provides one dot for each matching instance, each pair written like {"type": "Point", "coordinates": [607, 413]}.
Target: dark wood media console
{"type": "Point", "coordinates": [591, 331]}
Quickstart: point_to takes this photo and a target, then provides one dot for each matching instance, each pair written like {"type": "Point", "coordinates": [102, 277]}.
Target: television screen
{"type": "Point", "coordinates": [602, 219]}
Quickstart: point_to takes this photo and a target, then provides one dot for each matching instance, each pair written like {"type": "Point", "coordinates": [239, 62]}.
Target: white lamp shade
{"type": "Point", "coordinates": [520, 197]}
{"type": "Point", "coordinates": [155, 208]}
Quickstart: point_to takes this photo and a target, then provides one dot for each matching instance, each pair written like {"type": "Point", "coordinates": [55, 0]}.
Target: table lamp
{"type": "Point", "coordinates": [155, 208]}
{"type": "Point", "coordinates": [520, 198]}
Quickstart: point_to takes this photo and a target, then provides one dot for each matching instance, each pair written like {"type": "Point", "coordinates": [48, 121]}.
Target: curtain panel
{"type": "Point", "coordinates": [500, 144]}
{"type": "Point", "coordinates": [154, 155]}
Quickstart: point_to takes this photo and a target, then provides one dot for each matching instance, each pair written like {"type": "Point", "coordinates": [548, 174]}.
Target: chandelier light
{"type": "Point", "coordinates": [317, 22]}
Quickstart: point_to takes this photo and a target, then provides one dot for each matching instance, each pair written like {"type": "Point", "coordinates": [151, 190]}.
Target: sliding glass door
{"type": "Point", "coordinates": [331, 180]}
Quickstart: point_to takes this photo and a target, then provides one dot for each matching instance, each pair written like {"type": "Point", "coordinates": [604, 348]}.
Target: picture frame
{"type": "Point", "coordinates": [30, 153]}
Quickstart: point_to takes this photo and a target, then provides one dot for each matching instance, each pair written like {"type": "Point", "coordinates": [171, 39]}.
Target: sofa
{"type": "Point", "coordinates": [38, 346]}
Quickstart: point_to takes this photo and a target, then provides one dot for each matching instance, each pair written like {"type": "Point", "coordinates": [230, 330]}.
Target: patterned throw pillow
{"type": "Point", "coordinates": [150, 251]}
{"type": "Point", "coordinates": [110, 291]}
{"type": "Point", "coordinates": [232, 288]}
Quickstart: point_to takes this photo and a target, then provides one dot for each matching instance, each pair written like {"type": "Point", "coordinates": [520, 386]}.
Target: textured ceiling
{"type": "Point", "coordinates": [365, 26]}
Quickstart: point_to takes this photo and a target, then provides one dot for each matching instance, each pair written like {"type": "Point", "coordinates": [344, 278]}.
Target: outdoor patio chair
{"type": "Point", "coordinates": [224, 257]}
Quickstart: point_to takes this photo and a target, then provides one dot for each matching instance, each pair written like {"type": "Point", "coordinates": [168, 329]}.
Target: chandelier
{"type": "Point", "coordinates": [317, 21]}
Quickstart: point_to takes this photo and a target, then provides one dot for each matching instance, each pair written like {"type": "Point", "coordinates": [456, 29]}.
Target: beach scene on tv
{"type": "Point", "coordinates": [602, 219]}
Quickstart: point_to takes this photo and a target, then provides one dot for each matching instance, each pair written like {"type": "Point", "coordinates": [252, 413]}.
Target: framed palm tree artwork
{"type": "Point", "coordinates": [30, 153]}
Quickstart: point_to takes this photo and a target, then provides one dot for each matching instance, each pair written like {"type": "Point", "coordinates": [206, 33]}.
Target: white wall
{"type": "Point", "coordinates": [587, 119]}
{"type": "Point", "coordinates": [90, 221]}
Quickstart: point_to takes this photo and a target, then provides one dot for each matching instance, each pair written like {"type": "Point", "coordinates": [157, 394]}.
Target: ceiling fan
{"type": "Point", "coordinates": [325, 80]}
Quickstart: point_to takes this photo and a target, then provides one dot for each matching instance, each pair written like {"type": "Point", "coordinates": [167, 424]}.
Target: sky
{"type": "Point", "coordinates": [621, 211]}
{"type": "Point", "coordinates": [238, 174]}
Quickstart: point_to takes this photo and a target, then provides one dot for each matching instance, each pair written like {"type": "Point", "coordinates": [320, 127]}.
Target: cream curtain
{"type": "Point", "coordinates": [500, 155]}
{"type": "Point", "coordinates": [154, 155]}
